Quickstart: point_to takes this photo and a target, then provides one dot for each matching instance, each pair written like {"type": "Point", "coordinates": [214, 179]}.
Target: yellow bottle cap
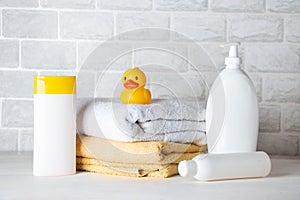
{"type": "Point", "coordinates": [54, 84]}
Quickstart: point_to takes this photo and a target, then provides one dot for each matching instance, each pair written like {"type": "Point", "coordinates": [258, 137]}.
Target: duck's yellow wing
{"type": "Point", "coordinates": [125, 97]}
{"type": "Point", "coordinates": [147, 95]}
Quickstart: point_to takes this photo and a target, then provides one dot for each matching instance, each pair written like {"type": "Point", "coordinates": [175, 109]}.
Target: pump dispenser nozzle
{"type": "Point", "coordinates": [233, 51]}
{"type": "Point", "coordinates": [233, 61]}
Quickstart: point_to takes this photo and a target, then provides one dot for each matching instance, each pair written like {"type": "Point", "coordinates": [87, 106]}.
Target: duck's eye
{"type": "Point", "coordinates": [125, 78]}
{"type": "Point", "coordinates": [136, 78]}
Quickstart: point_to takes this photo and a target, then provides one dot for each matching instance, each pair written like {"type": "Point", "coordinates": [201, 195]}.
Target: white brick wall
{"type": "Point", "coordinates": [48, 55]}
{"type": "Point", "coordinates": [272, 57]}
{"type": "Point", "coordinates": [125, 4]}
{"type": "Point", "coordinates": [283, 6]}
{"type": "Point", "coordinates": [29, 24]}
{"type": "Point", "coordinates": [269, 118]}
{"type": "Point", "coordinates": [8, 140]}
{"type": "Point", "coordinates": [42, 35]}
{"type": "Point", "coordinates": [285, 89]}
{"type": "Point", "coordinates": [211, 27]}
{"type": "Point", "coordinates": [17, 113]}
{"type": "Point", "coordinates": [180, 5]}
{"type": "Point", "coordinates": [25, 142]}
{"type": "Point", "coordinates": [161, 59]}
{"type": "Point", "coordinates": [19, 3]}
{"type": "Point", "coordinates": [10, 53]}
{"type": "Point", "coordinates": [291, 118]}
{"type": "Point", "coordinates": [86, 25]}
{"type": "Point", "coordinates": [237, 5]}
{"type": "Point", "coordinates": [253, 28]}
{"type": "Point", "coordinates": [109, 51]}
{"type": "Point", "coordinates": [132, 21]}
{"type": "Point", "coordinates": [293, 29]}
{"type": "Point", "coordinates": [16, 84]}
{"type": "Point", "coordinates": [77, 4]}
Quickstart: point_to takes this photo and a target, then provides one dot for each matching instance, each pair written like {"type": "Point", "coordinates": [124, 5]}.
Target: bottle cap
{"type": "Point", "coordinates": [233, 61]}
{"type": "Point", "coordinates": [187, 168]}
{"type": "Point", "coordinates": [54, 84]}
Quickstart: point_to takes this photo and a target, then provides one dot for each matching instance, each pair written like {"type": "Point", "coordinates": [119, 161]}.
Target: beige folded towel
{"type": "Point", "coordinates": [123, 169]}
{"type": "Point", "coordinates": [137, 159]}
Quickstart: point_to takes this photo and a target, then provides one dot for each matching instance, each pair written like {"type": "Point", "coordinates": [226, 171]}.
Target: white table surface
{"type": "Point", "coordinates": [17, 182]}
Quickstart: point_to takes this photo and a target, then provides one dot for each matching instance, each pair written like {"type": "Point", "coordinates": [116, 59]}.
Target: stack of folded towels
{"type": "Point", "coordinates": [139, 140]}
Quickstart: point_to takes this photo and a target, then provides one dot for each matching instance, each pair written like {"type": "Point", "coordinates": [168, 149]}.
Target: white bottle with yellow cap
{"type": "Point", "coordinates": [54, 125]}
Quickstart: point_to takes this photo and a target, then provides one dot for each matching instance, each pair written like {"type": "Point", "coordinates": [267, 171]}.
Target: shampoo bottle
{"type": "Point", "coordinates": [54, 125]}
{"type": "Point", "coordinates": [209, 167]}
{"type": "Point", "coordinates": [232, 110]}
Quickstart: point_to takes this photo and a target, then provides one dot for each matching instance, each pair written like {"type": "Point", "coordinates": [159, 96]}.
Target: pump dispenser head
{"type": "Point", "coordinates": [233, 61]}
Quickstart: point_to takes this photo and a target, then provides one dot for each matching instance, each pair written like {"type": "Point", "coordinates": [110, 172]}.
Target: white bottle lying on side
{"type": "Point", "coordinates": [209, 167]}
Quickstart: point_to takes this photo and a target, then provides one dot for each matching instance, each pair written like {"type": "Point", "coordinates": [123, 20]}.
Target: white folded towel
{"type": "Point", "coordinates": [162, 120]}
{"type": "Point", "coordinates": [167, 126]}
{"type": "Point", "coordinates": [172, 109]}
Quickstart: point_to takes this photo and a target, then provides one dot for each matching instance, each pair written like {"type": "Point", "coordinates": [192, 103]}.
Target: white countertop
{"type": "Point", "coordinates": [17, 182]}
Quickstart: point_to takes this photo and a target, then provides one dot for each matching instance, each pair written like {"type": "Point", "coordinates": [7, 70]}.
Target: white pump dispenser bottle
{"type": "Point", "coordinates": [232, 109]}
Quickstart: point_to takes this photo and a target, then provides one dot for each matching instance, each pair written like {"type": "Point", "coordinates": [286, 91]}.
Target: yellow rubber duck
{"type": "Point", "coordinates": [134, 92]}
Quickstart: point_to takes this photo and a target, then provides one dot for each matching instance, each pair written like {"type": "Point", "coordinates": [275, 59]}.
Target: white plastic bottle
{"type": "Point", "coordinates": [209, 167]}
{"type": "Point", "coordinates": [232, 110]}
{"type": "Point", "coordinates": [54, 125]}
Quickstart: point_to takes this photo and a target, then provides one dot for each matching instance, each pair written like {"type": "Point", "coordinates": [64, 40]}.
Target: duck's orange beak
{"type": "Point", "coordinates": [130, 84]}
